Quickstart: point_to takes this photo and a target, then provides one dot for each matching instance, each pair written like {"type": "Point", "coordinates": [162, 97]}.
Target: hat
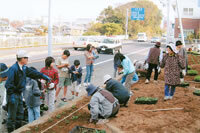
{"type": "Point", "coordinates": [91, 89]}
{"type": "Point", "coordinates": [178, 43]}
{"type": "Point", "coordinates": [106, 78]}
{"type": "Point", "coordinates": [3, 70]}
{"type": "Point", "coordinates": [172, 47]}
{"type": "Point", "coordinates": [157, 44]}
{"type": "Point", "coordinates": [22, 54]}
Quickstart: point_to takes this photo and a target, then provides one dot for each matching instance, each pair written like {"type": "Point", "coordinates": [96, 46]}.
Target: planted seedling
{"type": "Point", "coordinates": [50, 120]}
{"type": "Point", "coordinates": [63, 113]}
{"type": "Point", "coordinates": [67, 121]}
{"type": "Point", "coordinates": [197, 78]}
{"type": "Point", "coordinates": [74, 117]}
{"type": "Point", "coordinates": [192, 72]}
{"type": "Point", "coordinates": [73, 106]}
{"type": "Point", "coordinates": [58, 116]}
{"type": "Point", "coordinates": [196, 92]}
{"type": "Point", "coordinates": [146, 100]}
{"type": "Point", "coordinates": [36, 128]}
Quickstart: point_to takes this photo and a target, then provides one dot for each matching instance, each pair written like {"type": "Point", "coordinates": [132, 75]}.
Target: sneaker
{"type": "Point", "coordinates": [85, 84]}
{"type": "Point", "coordinates": [170, 97]}
{"type": "Point", "coordinates": [131, 93]}
{"type": "Point", "coordinates": [146, 81]}
{"type": "Point", "coordinates": [166, 98]}
{"type": "Point", "coordinates": [155, 81]}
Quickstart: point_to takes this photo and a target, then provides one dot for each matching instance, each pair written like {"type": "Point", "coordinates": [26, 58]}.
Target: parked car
{"type": "Point", "coordinates": [142, 37]}
{"type": "Point", "coordinates": [155, 39]}
{"type": "Point", "coordinates": [82, 42]}
{"type": "Point", "coordinates": [109, 45]}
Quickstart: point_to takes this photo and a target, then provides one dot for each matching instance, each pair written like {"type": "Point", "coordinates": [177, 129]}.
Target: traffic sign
{"type": "Point", "coordinates": [137, 13]}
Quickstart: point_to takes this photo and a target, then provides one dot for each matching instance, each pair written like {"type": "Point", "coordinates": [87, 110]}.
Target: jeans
{"type": "Point", "coordinates": [33, 113]}
{"type": "Point", "coordinates": [15, 112]}
{"type": "Point", "coordinates": [151, 67]}
{"type": "Point", "coordinates": [115, 73]}
{"type": "Point", "coordinates": [128, 81]}
{"type": "Point", "coordinates": [89, 70]}
{"type": "Point", "coordinates": [169, 90]}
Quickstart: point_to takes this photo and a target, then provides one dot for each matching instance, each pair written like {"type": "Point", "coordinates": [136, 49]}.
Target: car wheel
{"type": "Point", "coordinates": [75, 48]}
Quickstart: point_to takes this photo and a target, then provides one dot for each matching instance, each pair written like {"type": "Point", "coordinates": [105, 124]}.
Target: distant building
{"type": "Point", "coordinates": [190, 13]}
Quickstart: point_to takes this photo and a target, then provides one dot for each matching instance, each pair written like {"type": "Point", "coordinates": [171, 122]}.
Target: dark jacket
{"type": "Point", "coordinates": [154, 55]}
{"type": "Point", "coordinates": [32, 93]}
{"type": "Point", "coordinates": [76, 77]}
{"type": "Point", "coordinates": [118, 90]}
{"type": "Point", "coordinates": [16, 81]}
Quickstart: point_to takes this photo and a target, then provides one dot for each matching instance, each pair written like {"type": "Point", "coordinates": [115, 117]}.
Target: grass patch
{"type": "Point", "coordinates": [146, 100]}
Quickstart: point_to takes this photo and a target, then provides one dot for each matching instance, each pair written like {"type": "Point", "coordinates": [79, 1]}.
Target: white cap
{"type": "Point", "coordinates": [106, 78]}
{"type": "Point", "coordinates": [22, 53]}
{"type": "Point", "coordinates": [173, 47]}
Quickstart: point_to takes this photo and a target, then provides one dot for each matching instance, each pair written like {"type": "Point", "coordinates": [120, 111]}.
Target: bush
{"type": "Point", "coordinates": [146, 100]}
{"type": "Point", "coordinates": [192, 72]}
{"type": "Point", "coordinates": [197, 78]}
{"type": "Point", "coordinates": [196, 92]}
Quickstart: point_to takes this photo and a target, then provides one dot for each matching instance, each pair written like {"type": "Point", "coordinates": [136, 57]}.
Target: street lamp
{"type": "Point", "coordinates": [49, 30]}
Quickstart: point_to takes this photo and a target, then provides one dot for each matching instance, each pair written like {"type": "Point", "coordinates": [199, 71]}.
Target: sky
{"type": "Point", "coordinates": [65, 9]}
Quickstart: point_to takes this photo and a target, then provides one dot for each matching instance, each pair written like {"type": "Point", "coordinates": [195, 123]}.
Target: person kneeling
{"type": "Point", "coordinates": [117, 89]}
{"type": "Point", "coordinates": [102, 104]}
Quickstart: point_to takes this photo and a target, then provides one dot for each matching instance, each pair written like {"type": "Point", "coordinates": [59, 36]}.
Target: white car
{"type": "Point", "coordinates": [109, 45]}
{"type": "Point", "coordinates": [142, 37]}
{"type": "Point", "coordinates": [82, 42]}
{"type": "Point", "coordinates": [155, 39]}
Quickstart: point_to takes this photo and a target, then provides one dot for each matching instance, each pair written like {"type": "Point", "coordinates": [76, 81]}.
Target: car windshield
{"type": "Point", "coordinates": [82, 39]}
{"type": "Point", "coordinates": [140, 35]}
{"type": "Point", "coordinates": [111, 41]}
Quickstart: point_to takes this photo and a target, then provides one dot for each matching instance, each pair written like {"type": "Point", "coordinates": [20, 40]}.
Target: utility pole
{"type": "Point", "coordinates": [180, 23]}
{"type": "Point", "coordinates": [126, 24]}
{"type": "Point", "coordinates": [49, 31]}
{"type": "Point", "coordinates": [168, 21]}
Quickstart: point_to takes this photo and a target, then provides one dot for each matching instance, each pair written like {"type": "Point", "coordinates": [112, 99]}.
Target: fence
{"type": "Point", "coordinates": [14, 42]}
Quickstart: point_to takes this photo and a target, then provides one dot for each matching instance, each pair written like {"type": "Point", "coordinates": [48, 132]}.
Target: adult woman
{"type": "Point", "coordinates": [89, 64]}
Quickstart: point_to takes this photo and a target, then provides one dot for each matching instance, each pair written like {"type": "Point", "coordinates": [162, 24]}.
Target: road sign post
{"type": "Point", "coordinates": [137, 13]}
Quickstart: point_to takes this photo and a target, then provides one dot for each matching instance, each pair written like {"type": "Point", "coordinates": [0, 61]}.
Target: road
{"type": "Point", "coordinates": [103, 65]}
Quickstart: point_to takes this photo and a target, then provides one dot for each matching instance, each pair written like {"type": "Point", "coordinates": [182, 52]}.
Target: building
{"type": "Point", "coordinates": [190, 13]}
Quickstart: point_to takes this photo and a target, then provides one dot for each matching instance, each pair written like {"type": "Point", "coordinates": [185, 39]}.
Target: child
{"type": "Point", "coordinates": [76, 75]}
{"type": "Point", "coordinates": [63, 66]}
{"type": "Point", "coordinates": [32, 98]}
{"type": "Point", "coordinates": [95, 53]}
{"type": "Point", "coordinates": [50, 87]}
{"type": "Point", "coordinates": [172, 63]}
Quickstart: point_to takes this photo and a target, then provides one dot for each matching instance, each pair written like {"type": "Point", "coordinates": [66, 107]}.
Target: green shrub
{"type": "Point", "coordinates": [189, 67]}
{"type": "Point", "coordinates": [146, 100]}
{"type": "Point", "coordinates": [184, 84]}
{"type": "Point", "coordinates": [58, 116]}
{"type": "Point", "coordinates": [196, 92]}
{"type": "Point", "coordinates": [197, 78]}
{"type": "Point", "coordinates": [192, 72]}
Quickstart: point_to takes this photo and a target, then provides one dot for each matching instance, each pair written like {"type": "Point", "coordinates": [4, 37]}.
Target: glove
{"type": "Point", "coordinates": [12, 99]}
{"type": "Point", "coordinates": [51, 86]}
{"type": "Point", "coordinates": [184, 72]}
{"type": "Point", "coordinates": [43, 81]}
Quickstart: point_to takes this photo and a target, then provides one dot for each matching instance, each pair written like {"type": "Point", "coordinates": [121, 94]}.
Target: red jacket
{"type": "Point", "coordinates": [52, 73]}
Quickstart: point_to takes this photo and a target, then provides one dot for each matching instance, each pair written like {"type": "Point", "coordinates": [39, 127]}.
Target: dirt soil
{"type": "Point", "coordinates": [134, 118]}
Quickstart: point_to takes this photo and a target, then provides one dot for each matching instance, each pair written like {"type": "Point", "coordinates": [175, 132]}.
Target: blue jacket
{"type": "Point", "coordinates": [76, 77]}
{"type": "Point", "coordinates": [128, 66]}
{"type": "Point", "coordinates": [118, 90]}
{"type": "Point", "coordinates": [32, 93]}
{"type": "Point", "coordinates": [16, 81]}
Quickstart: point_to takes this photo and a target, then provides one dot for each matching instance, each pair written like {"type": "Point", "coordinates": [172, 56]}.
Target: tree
{"type": "Point", "coordinates": [90, 33]}
{"type": "Point", "coordinates": [111, 29]}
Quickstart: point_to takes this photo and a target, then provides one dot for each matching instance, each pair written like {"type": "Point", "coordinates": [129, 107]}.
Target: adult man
{"type": "Point", "coordinates": [182, 52]}
{"type": "Point", "coordinates": [15, 85]}
{"type": "Point", "coordinates": [117, 89]}
{"type": "Point", "coordinates": [102, 104]}
{"type": "Point", "coordinates": [154, 58]}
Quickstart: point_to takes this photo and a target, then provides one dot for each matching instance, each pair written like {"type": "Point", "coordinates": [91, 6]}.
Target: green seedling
{"type": "Point", "coordinates": [74, 117]}
{"type": "Point", "coordinates": [73, 106]}
{"type": "Point", "coordinates": [50, 120]}
{"type": "Point", "coordinates": [63, 113]}
{"type": "Point", "coordinates": [36, 128]}
{"type": "Point", "coordinates": [58, 116]}
{"type": "Point", "coordinates": [192, 72]}
{"type": "Point", "coordinates": [67, 121]}
{"type": "Point", "coordinates": [197, 78]}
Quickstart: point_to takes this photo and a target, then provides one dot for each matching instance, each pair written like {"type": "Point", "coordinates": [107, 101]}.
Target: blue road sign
{"type": "Point", "coordinates": [137, 13]}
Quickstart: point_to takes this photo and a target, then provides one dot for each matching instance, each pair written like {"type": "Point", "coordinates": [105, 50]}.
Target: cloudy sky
{"type": "Point", "coordinates": [65, 9]}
